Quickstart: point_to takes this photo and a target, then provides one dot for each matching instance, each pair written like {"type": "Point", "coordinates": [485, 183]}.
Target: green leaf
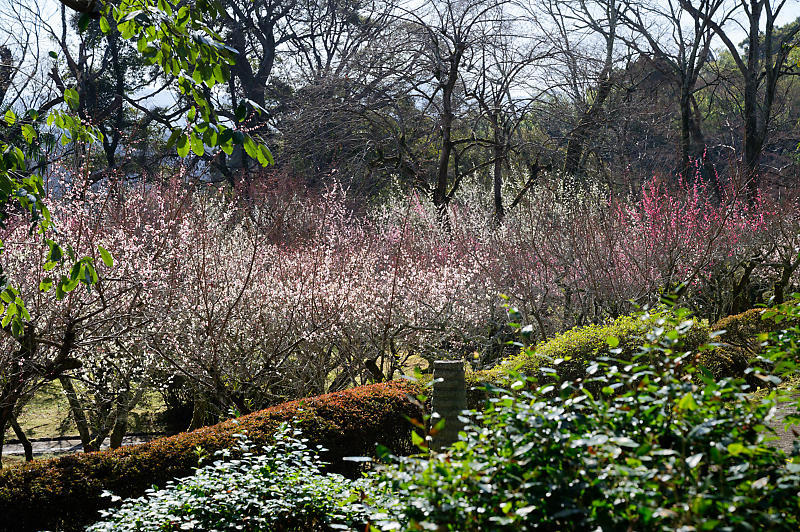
{"type": "Point", "coordinates": [72, 98]}
{"type": "Point", "coordinates": [241, 112]}
{"type": "Point", "coordinates": [687, 402]}
{"type": "Point", "coordinates": [9, 315]}
{"type": "Point", "coordinates": [612, 341]}
{"type": "Point", "coordinates": [10, 117]}
{"type": "Point", "coordinates": [89, 274]}
{"type": "Point", "coordinates": [76, 272]}
{"type": "Point", "coordinates": [267, 155]}
{"type": "Point", "coordinates": [16, 326]}
{"type": "Point", "coordinates": [55, 254]}
{"type": "Point", "coordinates": [108, 260]}
{"type": "Point", "coordinates": [105, 27]}
{"type": "Point", "coordinates": [173, 138]}
{"type": "Point", "coordinates": [254, 151]}
{"type": "Point", "coordinates": [736, 448]}
{"type": "Point", "coordinates": [183, 146]}
{"type": "Point", "coordinates": [126, 29]}
{"type": "Point", "coordinates": [46, 284]}
{"type": "Point", "coordinates": [83, 22]}
{"type": "Point", "coordinates": [197, 145]}
{"type": "Point", "coordinates": [28, 133]}
{"type": "Point", "coordinates": [70, 285]}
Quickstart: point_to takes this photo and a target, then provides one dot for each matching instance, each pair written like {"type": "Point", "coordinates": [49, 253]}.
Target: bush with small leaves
{"type": "Point", "coordinates": [567, 355]}
{"type": "Point", "coordinates": [280, 488]}
{"type": "Point", "coordinates": [648, 443]}
{"type": "Point", "coordinates": [741, 341]}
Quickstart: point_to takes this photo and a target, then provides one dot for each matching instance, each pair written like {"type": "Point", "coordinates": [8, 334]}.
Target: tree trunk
{"type": "Point", "coordinates": [686, 135]}
{"type": "Point", "coordinates": [499, 212]}
{"type": "Point", "coordinates": [578, 136]}
{"type": "Point", "coordinates": [440, 194]}
{"type": "Point", "coordinates": [6, 417]}
{"type": "Point", "coordinates": [121, 411]}
{"type": "Point", "coordinates": [23, 439]}
{"type": "Point", "coordinates": [78, 414]}
{"type": "Point", "coordinates": [2, 438]}
{"type": "Point", "coordinates": [577, 139]}
{"type": "Point", "coordinates": [119, 430]}
{"type": "Point", "coordinates": [497, 178]}
{"type": "Point", "coordinates": [199, 412]}
{"type": "Point", "coordinates": [442, 170]}
{"type": "Point", "coordinates": [7, 70]}
{"type": "Point", "coordinates": [753, 142]}
{"type": "Point", "coordinates": [788, 267]}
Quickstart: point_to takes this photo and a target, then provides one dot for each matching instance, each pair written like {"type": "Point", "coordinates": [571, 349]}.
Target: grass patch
{"type": "Point", "coordinates": [47, 415]}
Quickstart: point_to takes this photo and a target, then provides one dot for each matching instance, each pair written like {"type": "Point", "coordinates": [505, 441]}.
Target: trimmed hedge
{"type": "Point", "coordinates": [578, 347]}
{"type": "Point", "coordinates": [65, 493]}
{"type": "Point", "coordinates": [739, 343]}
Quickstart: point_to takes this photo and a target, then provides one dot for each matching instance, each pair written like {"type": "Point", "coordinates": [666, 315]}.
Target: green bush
{"type": "Point", "coordinates": [740, 339]}
{"type": "Point", "coordinates": [650, 450]}
{"type": "Point", "coordinates": [279, 487]}
{"type": "Point", "coordinates": [568, 355]}
{"type": "Point", "coordinates": [65, 492]}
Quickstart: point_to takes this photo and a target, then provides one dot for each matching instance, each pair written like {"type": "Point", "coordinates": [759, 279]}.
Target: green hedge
{"type": "Point", "coordinates": [577, 348]}
{"type": "Point", "coordinates": [739, 343]}
{"type": "Point", "coordinates": [65, 493]}
{"type": "Point", "coordinates": [580, 346]}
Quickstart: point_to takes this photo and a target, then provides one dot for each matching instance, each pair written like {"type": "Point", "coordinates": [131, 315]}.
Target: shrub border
{"type": "Point", "coordinates": [66, 492]}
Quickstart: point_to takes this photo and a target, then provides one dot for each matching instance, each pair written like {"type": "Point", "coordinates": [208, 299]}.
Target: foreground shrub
{"type": "Point", "coordinates": [280, 488]}
{"type": "Point", "coordinates": [69, 489]}
{"type": "Point", "coordinates": [653, 449]}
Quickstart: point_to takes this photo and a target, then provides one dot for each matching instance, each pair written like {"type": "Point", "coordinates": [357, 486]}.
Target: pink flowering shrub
{"type": "Point", "coordinates": [247, 298]}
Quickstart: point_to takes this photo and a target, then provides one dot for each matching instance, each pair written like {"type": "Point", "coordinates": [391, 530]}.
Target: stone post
{"type": "Point", "coordinates": [449, 399]}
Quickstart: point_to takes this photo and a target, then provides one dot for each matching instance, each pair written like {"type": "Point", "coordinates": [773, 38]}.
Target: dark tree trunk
{"type": "Point", "coordinates": [7, 71]}
{"type": "Point", "coordinates": [440, 193]}
{"type": "Point", "coordinates": [3, 425]}
{"type": "Point", "coordinates": [78, 414]}
{"type": "Point", "coordinates": [686, 135]}
{"type": "Point", "coordinates": [497, 185]}
{"type": "Point", "coordinates": [23, 439]}
{"type": "Point", "coordinates": [199, 412]}
{"type": "Point", "coordinates": [443, 167]}
{"type": "Point", "coordinates": [497, 175]}
{"type": "Point", "coordinates": [577, 138]}
{"type": "Point", "coordinates": [753, 141]}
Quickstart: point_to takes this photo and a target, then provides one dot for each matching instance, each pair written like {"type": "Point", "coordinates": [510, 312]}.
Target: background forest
{"type": "Point", "coordinates": [579, 157]}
